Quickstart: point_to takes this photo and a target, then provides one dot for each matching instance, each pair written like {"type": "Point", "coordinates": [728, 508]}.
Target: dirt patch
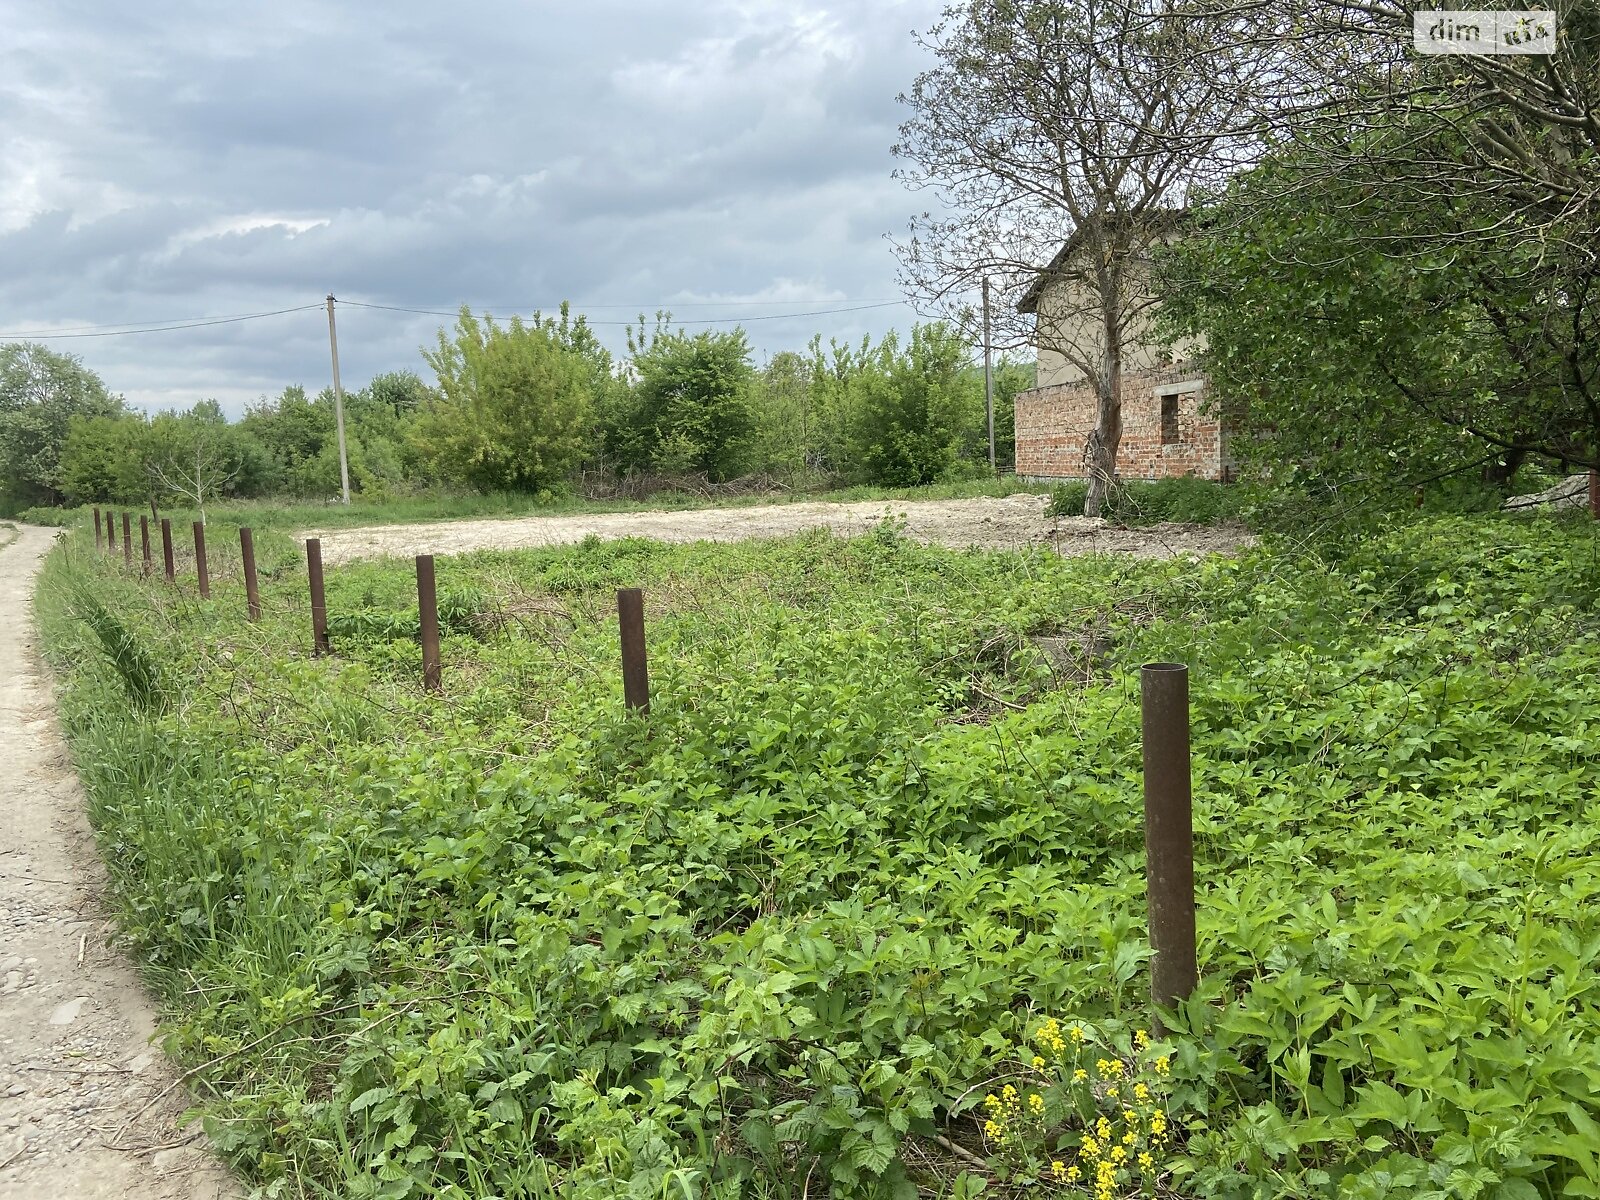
{"type": "Point", "coordinates": [88, 1107]}
{"type": "Point", "coordinates": [1005, 523]}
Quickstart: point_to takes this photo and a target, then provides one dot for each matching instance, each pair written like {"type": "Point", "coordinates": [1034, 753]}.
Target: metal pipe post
{"type": "Point", "coordinates": [127, 540]}
{"type": "Point", "coordinates": [247, 552]}
{"type": "Point", "coordinates": [319, 602]}
{"type": "Point", "coordinates": [166, 550]}
{"type": "Point", "coordinates": [144, 542]}
{"type": "Point", "coordinates": [201, 574]}
{"type": "Point", "coordinates": [428, 609]}
{"type": "Point", "coordinates": [1169, 833]}
{"type": "Point", "coordinates": [635, 669]}
{"type": "Point", "coordinates": [99, 538]}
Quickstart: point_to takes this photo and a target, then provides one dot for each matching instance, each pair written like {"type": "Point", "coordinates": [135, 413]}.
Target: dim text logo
{"type": "Point", "coordinates": [1484, 31]}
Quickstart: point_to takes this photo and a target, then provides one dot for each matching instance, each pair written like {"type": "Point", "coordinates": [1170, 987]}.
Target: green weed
{"type": "Point", "coordinates": [784, 936]}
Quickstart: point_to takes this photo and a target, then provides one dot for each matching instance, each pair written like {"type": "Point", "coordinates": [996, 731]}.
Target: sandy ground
{"type": "Point", "coordinates": [1000, 524]}
{"type": "Point", "coordinates": [88, 1107]}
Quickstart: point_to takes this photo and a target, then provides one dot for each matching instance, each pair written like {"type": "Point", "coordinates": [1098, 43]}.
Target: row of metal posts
{"type": "Point", "coordinates": [1164, 689]}
{"type": "Point", "coordinates": [108, 540]}
{"type": "Point", "coordinates": [630, 601]}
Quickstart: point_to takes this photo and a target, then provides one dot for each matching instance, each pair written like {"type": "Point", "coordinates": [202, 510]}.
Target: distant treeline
{"type": "Point", "coordinates": [523, 406]}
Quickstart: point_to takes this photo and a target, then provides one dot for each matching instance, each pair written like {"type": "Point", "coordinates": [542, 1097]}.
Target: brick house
{"type": "Point", "coordinates": [1164, 432]}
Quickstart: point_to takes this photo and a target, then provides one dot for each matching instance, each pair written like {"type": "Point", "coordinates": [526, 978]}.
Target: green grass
{"type": "Point", "coordinates": [294, 515]}
{"type": "Point", "coordinates": [1151, 502]}
{"type": "Point", "coordinates": [782, 937]}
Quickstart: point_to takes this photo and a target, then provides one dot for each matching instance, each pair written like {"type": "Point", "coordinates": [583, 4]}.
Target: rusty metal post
{"type": "Point", "coordinates": [200, 571]}
{"type": "Point", "coordinates": [99, 538]}
{"type": "Point", "coordinates": [166, 549]}
{"type": "Point", "coordinates": [247, 552]}
{"type": "Point", "coordinates": [635, 668]}
{"type": "Point", "coordinates": [1168, 833]}
{"type": "Point", "coordinates": [127, 540]}
{"type": "Point", "coordinates": [428, 608]}
{"type": "Point", "coordinates": [111, 532]}
{"type": "Point", "coordinates": [319, 602]}
{"type": "Point", "coordinates": [144, 541]}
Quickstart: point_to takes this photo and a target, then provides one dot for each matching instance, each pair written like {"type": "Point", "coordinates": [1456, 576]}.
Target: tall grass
{"type": "Point", "coordinates": [294, 515]}
{"type": "Point", "coordinates": [133, 663]}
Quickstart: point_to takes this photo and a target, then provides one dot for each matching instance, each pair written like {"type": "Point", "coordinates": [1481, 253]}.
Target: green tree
{"type": "Point", "coordinates": [102, 461]}
{"type": "Point", "coordinates": [515, 403]}
{"type": "Point", "coordinates": [40, 393]}
{"type": "Point", "coordinates": [690, 407]}
{"type": "Point", "coordinates": [1362, 343]}
{"type": "Point", "coordinates": [784, 416]}
{"type": "Point", "coordinates": [1011, 378]}
{"type": "Point", "coordinates": [901, 415]}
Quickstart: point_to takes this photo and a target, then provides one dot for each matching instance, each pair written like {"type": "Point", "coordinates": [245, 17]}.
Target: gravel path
{"type": "Point", "coordinates": [85, 1106]}
{"type": "Point", "coordinates": [999, 524]}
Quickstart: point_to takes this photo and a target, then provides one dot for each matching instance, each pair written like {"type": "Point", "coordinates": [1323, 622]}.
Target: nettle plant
{"type": "Point", "coordinates": [774, 940]}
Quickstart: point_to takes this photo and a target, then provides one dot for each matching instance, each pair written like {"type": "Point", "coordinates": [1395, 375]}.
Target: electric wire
{"type": "Point", "coordinates": [825, 312]}
{"type": "Point", "coordinates": [123, 331]}
{"type": "Point", "coordinates": [127, 328]}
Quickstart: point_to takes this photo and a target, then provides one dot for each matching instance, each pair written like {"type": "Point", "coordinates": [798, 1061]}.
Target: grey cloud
{"type": "Point", "coordinates": [188, 158]}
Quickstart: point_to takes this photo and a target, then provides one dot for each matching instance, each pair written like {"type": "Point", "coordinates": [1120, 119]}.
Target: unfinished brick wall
{"type": "Point", "coordinates": [1053, 424]}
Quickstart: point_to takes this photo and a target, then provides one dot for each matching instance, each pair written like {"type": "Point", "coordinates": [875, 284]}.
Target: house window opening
{"type": "Point", "coordinates": [1169, 419]}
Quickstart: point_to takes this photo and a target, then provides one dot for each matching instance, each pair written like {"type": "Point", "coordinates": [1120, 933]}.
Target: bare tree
{"type": "Point", "coordinates": [1081, 124]}
{"type": "Point", "coordinates": [192, 457]}
{"type": "Point", "coordinates": [1479, 168]}
{"type": "Point", "coordinates": [1340, 76]}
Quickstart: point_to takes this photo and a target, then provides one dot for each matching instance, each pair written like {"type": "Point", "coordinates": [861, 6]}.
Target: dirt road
{"type": "Point", "coordinates": [1000, 524]}
{"type": "Point", "coordinates": [85, 1110]}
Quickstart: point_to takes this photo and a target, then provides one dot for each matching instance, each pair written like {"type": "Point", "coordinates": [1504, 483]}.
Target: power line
{"type": "Point", "coordinates": [676, 304]}
{"type": "Point", "coordinates": [123, 331]}
{"type": "Point", "coordinates": [825, 312]}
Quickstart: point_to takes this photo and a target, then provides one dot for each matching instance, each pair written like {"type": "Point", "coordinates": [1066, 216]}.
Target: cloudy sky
{"type": "Point", "coordinates": [174, 160]}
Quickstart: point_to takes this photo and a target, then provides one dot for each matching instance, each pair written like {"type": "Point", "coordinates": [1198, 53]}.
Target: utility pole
{"type": "Point", "coordinates": [338, 405]}
{"type": "Point", "coordinates": [988, 371]}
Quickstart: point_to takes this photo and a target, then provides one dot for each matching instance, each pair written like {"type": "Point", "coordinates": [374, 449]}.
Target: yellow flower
{"type": "Point", "coordinates": [1118, 1154]}
{"type": "Point", "coordinates": [1113, 1093]}
{"type": "Point", "coordinates": [1072, 1174]}
{"type": "Point", "coordinates": [1128, 1138]}
{"type": "Point", "coordinates": [1162, 1065]}
{"type": "Point", "coordinates": [1145, 1161]}
{"type": "Point", "coordinates": [1158, 1122]}
{"type": "Point", "coordinates": [1058, 1169]}
{"type": "Point", "coordinates": [1037, 1062]}
{"type": "Point", "coordinates": [1103, 1128]}
{"type": "Point", "coordinates": [1140, 1092]}
{"type": "Point", "coordinates": [1079, 1075]}
{"type": "Point", "coordinates": [1076, 1033]}
{"type": "Point", "coordinates": [1091, 1148]}
{"type": "Point", "coordinates": [991, 1101]}
{"type": "Point", "coordinates": [1036, 1103]}
{"type": "Point", "coordinates": [991, 1129]}
{"type": "Point", "coordinates": [1142, 1039]}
